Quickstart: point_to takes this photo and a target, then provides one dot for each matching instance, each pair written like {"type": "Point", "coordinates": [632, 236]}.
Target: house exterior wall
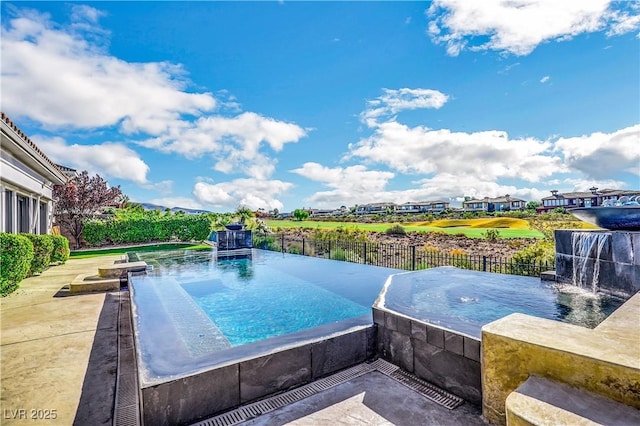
{"type": "Point", "coordinates": [27, 178]}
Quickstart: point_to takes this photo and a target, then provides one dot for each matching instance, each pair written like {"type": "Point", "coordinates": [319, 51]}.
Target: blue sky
{"type": "Point", "coordinates": [321, 104]}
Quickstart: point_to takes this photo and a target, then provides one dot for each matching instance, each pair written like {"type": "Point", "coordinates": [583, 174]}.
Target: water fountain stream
{"type": "Point", "coordinates": [586, 248]}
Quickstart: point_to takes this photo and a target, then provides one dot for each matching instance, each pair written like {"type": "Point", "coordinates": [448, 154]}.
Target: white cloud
{"type": "Point", "coordinates": [357, 185]}
{"type": "Point", "coordinates": [487, 155]}
{"type": "Point", "coordinates": [577, 184]}
{"type": "Point", "coordinates": [164, 187]}
{"type": "Point", "coordinates": [107, 159]}
{"type": "Point", "coordinates": [235, 143]}
{"type": "Point", "coordinates": [394, 101]}
{"type": "Point", "coordinates": [446, 185]}
{"type": "Point", "coordinates": [545, 79]}
{"type": "Point", "coordinates": [70, 80]}
{"type": "Point", "coordinates": [86, 13]}
{"type": "Point", "coordinates": [601, 155]}
{"type": "Point", "coordinates": [184, 202]}
{"type": "Point", "coordinates": [253, 193]}
{"type": "Point", "coordinates": [519, 26]}
{"type": "Point", "coordinates": [349, 185]}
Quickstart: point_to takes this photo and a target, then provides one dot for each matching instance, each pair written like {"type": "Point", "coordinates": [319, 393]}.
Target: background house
{"type": "Point", "coordinates": [27, 177]}
{"type": "Point", "coordinates": [499, 204]}
{"type": "Point", "coordinates": [592, 198]}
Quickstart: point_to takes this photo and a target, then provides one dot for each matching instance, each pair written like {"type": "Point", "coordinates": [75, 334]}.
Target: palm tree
{"type": "Point", "coordinates": [243, 213]}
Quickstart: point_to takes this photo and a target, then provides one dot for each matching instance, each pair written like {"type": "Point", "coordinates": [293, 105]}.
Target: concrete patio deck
{"type": "Point", "coordinates": [58, 351]}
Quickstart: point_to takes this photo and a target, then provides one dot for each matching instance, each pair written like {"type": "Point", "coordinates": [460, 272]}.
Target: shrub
{"type": "Point", "coordinates": [94, 232]}
{"type": "Point", "coordinates": [266, 243]}
{"type": "Point", "coordinates": [16, 253]}
{"type": "Point", "coordinates": [42, 249]}
{"type": "Point", "coordinates": [338, 254]}
{"type": "Point", "coordinates": [142, 227]}
{"type": "Point", "coordinates": [396, 229]}
{"type": "Point", "coordinates": [60, 251]}
{"type": "Point", "coordinates": [294, 248]}
{"type": "Point", "coordinates": [540, 253]}
{"type": "Point", "coordinates": [492, 235]}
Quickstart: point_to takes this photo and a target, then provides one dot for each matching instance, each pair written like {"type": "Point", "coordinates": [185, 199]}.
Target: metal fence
{"type": "Point", "coordinates": [397, 256]}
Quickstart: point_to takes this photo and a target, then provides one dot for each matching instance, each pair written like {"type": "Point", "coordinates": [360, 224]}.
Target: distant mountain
{"type": "Point", "coordinates": [149, 206]}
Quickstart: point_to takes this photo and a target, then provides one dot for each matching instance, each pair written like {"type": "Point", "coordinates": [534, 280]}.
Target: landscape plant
{"type": "Point", "coordinates": [16, 254]}
{"type": "Point", "coordinates": [80, 199]}
{"type": "Point", "coordinates": [42, 249]}
{"type": "Point", "coordinates": [299, 214]}
{"type": "Point", "coordinates": [396, 229]}
{"type": "Point", "coordinates": [60, 253]}
{"type": "Point", "coordinates": [128, 227]}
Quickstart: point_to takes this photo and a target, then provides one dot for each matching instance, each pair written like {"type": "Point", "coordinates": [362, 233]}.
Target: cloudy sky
{"type": "Point", "coordinates": [321, 104]}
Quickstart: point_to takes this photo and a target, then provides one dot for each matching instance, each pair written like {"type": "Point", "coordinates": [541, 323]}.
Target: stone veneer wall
{"type": "Point", "coordinates": [201, 395]}
{"type": "Point", "coordinates": [445, 358]}
{"type": "Point", "coordinates": [619, 260]}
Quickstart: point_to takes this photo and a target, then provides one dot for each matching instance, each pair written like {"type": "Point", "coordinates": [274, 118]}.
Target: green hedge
{"type": "Point", "coordinates": [42, 249]}
{"type": "Point", "coordinates": [146, 228]}
{"type": "Point", "coordinates": [60, 251]}
{"type": "Point", "coordinates": [16, 254]}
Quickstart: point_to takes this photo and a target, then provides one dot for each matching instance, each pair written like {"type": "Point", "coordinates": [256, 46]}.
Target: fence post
{"type": "Point", "coordinates": [303, 246]}
{"type": "Point", "coordinates": [413, 258]}
{"type": "Point", "coordinates": [282, 243]}
{"type": "Point", "coordinates": [364, 252]}
{"type": "Point", "coordinates": [329, 249]}
{"type": "Point", "coordinates": [484, 263]}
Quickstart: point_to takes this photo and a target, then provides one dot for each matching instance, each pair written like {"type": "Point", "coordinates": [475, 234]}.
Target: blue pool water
{"type": "Point", "coordinates": [271, 303]}
{"type": "Point", "coordinates": [194, 309]}
{"type": "Point", "coordinates": [464, 301]}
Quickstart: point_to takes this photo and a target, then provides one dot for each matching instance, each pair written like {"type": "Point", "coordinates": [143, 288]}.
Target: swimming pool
{"type": "Point", "coordinates": [196, 311]}
{"type": "Point", "coordinates": [464, 301]}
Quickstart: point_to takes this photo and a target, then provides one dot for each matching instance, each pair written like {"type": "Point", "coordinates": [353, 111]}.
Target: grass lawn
{"type": "Point", "coordinates": [82, 254]}
{"type": "Point", "coordinates": [474, 228]}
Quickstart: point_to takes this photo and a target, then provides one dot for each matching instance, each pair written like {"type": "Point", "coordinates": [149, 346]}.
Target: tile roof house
{"type": "Point", "coordinates": [592, 198]}
{"type": "Point", "coordinates": [27, 177]}
{"type": "Point", "coordinates": [505, 203]}
{"type": "Point", "coordinates": [422, 207]}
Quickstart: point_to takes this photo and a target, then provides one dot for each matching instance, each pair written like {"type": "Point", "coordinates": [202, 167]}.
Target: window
{"type": "Point", "coordinates": [43, 218]}
{"type": "Point", "coordinates": [23, 214]}
{"type": "Point", "coordinates": [8, 213]}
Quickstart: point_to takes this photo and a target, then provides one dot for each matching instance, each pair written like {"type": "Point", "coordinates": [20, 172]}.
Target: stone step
{"type": "Point", "coordinates": [540, 401]}
{"type": "Point", "coordinates": [120, 270]}
{"type": "Point", "coordinates": [86, 283]}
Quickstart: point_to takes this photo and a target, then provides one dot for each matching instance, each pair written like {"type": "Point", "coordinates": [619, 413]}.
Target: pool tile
{"type": "Point", "coordinates": [338, 353]}
{"type": "Point", "coordinates": [404, 325]}
{"type": "Point", "coordinates": [372, 340]}
{"type": "Point", "coordinates": [274, 373]}
{"type": "Point", "coordinates": [419, 330]}
{"type": "Point", "coordinates": [160, 405]}
{"type": "Point", "coordinates": [450, 371]}
{"type": "Point", "coordinates": [435, 336]}
{"type": "Point", "coordinates": [390, 321]}
{"type": "Point", "coordinates": [401, 351]}
{"type": "Point", "coordinates": [472, 349]}
{"type": "Point", "coordinates": [454, 343]}
{"type": "Point", "coordinates": [378, 316]}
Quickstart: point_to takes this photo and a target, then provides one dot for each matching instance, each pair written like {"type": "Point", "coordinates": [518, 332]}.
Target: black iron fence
{"type": "Point", "coordinates": [397, 256]}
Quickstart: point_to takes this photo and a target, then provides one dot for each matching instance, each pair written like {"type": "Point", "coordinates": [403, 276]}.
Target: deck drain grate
{"type": "Point", "coordinates": [278, 401]}
{"type": "Point", "coordinates": [267, 405]}
{"type": "Point", "coordinates": [384, 367]}
{"type": "Point", "coordinates": [432, 392]}
{"type": "Point", "coordinates": [126, 404]}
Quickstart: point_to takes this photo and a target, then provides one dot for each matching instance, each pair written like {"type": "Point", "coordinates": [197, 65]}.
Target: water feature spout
{"type": "Point", "coordinates": [586, 248]}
